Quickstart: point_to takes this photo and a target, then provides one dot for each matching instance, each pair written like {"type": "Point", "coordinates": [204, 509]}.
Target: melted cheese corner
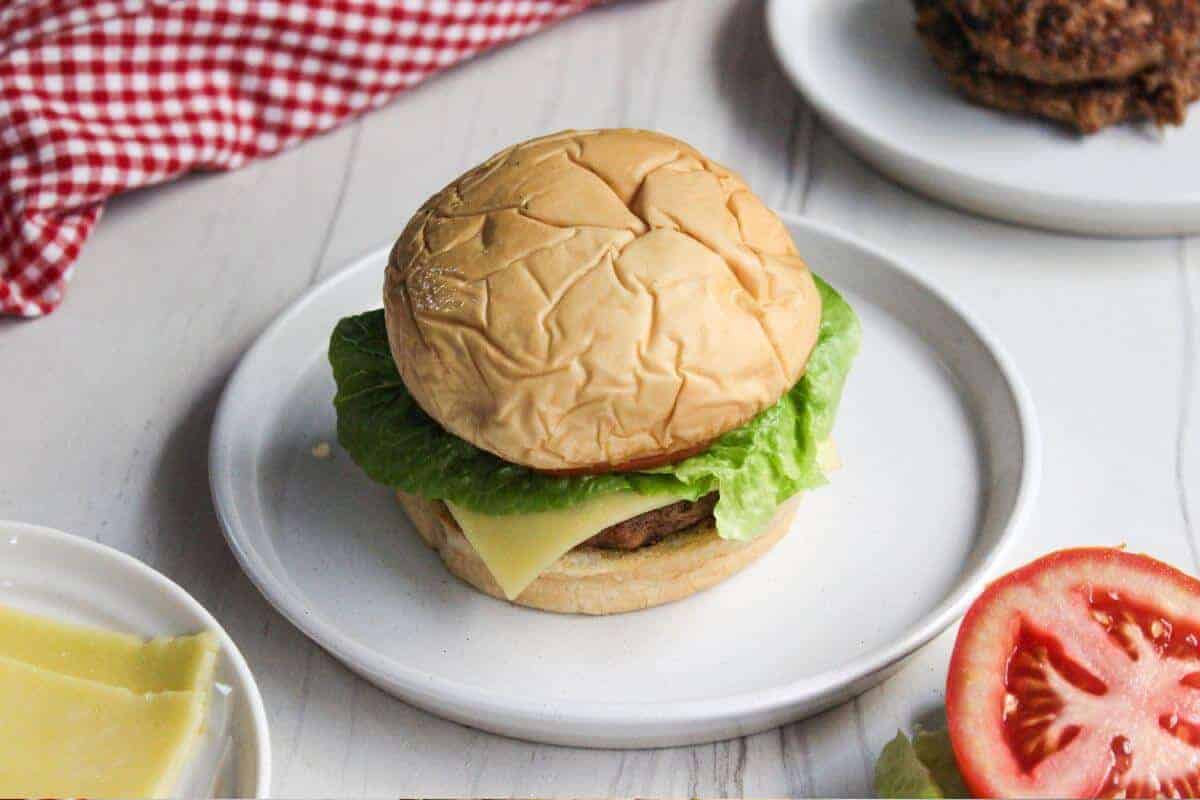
{"type": "Point", "coordinates": [518, 547]}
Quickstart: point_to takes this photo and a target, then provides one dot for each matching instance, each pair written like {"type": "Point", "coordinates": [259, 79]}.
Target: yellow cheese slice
{"type": "Point", "coordinates": [828, 458]}
{"type": "Point", "coordinates": [518, 547]}
{"type": "Point", "coordinates": [63, 736]}
{"type": "Point", "coordinates": [115, 659]}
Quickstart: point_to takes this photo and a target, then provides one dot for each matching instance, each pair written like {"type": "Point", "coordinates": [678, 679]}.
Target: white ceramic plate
{"type": "Point", "coordinates": [861, 65]}
{"type": "Point", "coordinates": [941, 460]}
{"type": "Point", "coordinates": [77, 580]}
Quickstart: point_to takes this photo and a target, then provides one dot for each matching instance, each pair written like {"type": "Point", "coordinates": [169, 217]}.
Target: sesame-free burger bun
{"type": "Point", "coordinates": [593, 300]}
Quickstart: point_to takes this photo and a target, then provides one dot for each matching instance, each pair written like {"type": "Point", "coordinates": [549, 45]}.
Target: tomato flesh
{"type": "Point", "coordinates": [1079, 676]}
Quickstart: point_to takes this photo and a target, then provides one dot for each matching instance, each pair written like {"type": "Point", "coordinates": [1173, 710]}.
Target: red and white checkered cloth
{"type": "Point", "coordinates": [100, 96]}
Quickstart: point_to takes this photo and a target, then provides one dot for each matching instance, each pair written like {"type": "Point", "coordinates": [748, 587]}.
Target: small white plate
{"type": "Point", "coordinates": [863, 68]}
{"type": "Point", "coordinates": [941, 461]}
{"type": "Point", "coordinates": [68, 578]}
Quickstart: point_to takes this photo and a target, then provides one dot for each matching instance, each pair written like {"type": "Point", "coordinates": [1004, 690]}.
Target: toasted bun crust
{"type": "Point", "coordinates": [592, 298]}
{"type": "Point", "coordinates": [593, 581]}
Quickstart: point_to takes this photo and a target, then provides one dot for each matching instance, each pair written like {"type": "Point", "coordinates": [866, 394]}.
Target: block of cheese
{"type": "Point", "coordinates": [86, 712]}
{"type": "Point", "coordinates": [64, 736]}
{"type": "Point", "coordinates": [115, 659]}
{"type": "Point", "coordinates": [518, 547]}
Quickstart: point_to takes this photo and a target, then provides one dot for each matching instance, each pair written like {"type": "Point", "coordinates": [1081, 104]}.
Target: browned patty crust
{"type": "Point", "coordinates": [652, 526]}
{"type": "Point", "coordinates": [1160, 94]}
{"type": "Point", "coordinates": [1073, 41]}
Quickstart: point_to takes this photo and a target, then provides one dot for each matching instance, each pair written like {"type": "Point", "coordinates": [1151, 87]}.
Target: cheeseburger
{"type": "Point", "coordinates": [602, 374]}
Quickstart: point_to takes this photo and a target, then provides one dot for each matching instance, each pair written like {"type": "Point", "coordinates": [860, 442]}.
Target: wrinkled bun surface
{"type": "Point", "coordinates": [592, 298]}
{"type": "Point", "coordinates": [593, 581]}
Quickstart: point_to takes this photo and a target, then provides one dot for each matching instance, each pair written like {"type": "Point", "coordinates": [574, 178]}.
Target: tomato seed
{"type": "Point", "coordinates": [1010, 704]}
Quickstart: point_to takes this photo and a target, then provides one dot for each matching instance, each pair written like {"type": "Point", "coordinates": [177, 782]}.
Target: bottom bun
{"type": "Point", "coordinates": [595, 581]}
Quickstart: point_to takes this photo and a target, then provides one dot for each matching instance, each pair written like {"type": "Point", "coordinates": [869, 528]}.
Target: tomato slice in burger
{"type": "Point", "coordinates": [1079, 676]}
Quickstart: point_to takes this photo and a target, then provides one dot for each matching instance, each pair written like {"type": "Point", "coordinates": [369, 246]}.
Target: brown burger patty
{"type": "Point", "coordinates": [1160, 94]}
{"type": "Point", "coordinates": [1072, 41]}
{"type": "Point", "coordinates": [648, 528]}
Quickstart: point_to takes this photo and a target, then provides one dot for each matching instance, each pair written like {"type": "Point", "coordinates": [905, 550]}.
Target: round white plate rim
{"type": "Point", "coordinates": [417, 684]}
{"type": "Point", "coordinates": [166, 586]}
{"type": "Point", "coordinates": [1111, 214]}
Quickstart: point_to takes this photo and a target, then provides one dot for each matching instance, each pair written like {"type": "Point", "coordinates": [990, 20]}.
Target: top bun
{"type": "Point", "coordinates": [595, 298]}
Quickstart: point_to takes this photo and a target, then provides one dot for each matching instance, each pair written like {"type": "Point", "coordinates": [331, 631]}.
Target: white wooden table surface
{"type": "Point", "coordinates": [106, 406]}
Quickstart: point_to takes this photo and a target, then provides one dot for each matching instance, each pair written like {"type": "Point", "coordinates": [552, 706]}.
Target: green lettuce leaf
{"type": "Point", "coordinates": [936, 753]}
{"type": "Point", "coordinates": [763, 463]}
{"type": "Point", "coordinates": [755, 467]}
{"type": "Point", "coordinates": [923, 767]}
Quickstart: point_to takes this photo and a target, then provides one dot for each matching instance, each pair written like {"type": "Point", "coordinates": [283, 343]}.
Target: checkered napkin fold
{"type": "Point", "coordinates": [100, 96]}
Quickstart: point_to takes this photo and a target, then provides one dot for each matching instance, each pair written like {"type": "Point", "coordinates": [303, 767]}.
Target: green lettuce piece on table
{"type": "Point", "coordinates": [755, 467]}
{"type": "Point", "coordinates": [922, 767]}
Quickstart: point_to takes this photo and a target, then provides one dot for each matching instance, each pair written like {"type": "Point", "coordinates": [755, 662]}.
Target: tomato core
{"type": "Point", "coordinates": [1079, 676]}
{"type": "Point", "coordinates": [1040, 672]}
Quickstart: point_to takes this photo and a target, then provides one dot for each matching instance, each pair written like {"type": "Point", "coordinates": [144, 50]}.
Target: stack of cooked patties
{"type": "Point", "coordinates": [1086, 63]}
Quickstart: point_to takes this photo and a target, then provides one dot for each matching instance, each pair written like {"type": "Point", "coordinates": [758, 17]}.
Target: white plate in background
{"type": "Point", "coordinates": [72, 579]}
{"type": "Point", "coordinates": [865, 71]}
{"type": "Point", "coordinates": [941, 460]}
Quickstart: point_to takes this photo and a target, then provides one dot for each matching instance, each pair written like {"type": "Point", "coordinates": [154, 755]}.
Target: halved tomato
{"type": "Point", "coordinates": [1079, 676]}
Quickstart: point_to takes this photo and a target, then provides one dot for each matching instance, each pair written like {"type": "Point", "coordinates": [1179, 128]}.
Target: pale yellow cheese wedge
{"type": "Point", "coordinates": [116, 659]}
{"type": "Point", "coordinates": [62, 736]}
{"type": "Point", "coordinates": [519, 547]}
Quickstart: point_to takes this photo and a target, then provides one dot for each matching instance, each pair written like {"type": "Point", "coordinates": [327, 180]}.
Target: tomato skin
{"type": "Point", "coordinates": [993, 776]}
